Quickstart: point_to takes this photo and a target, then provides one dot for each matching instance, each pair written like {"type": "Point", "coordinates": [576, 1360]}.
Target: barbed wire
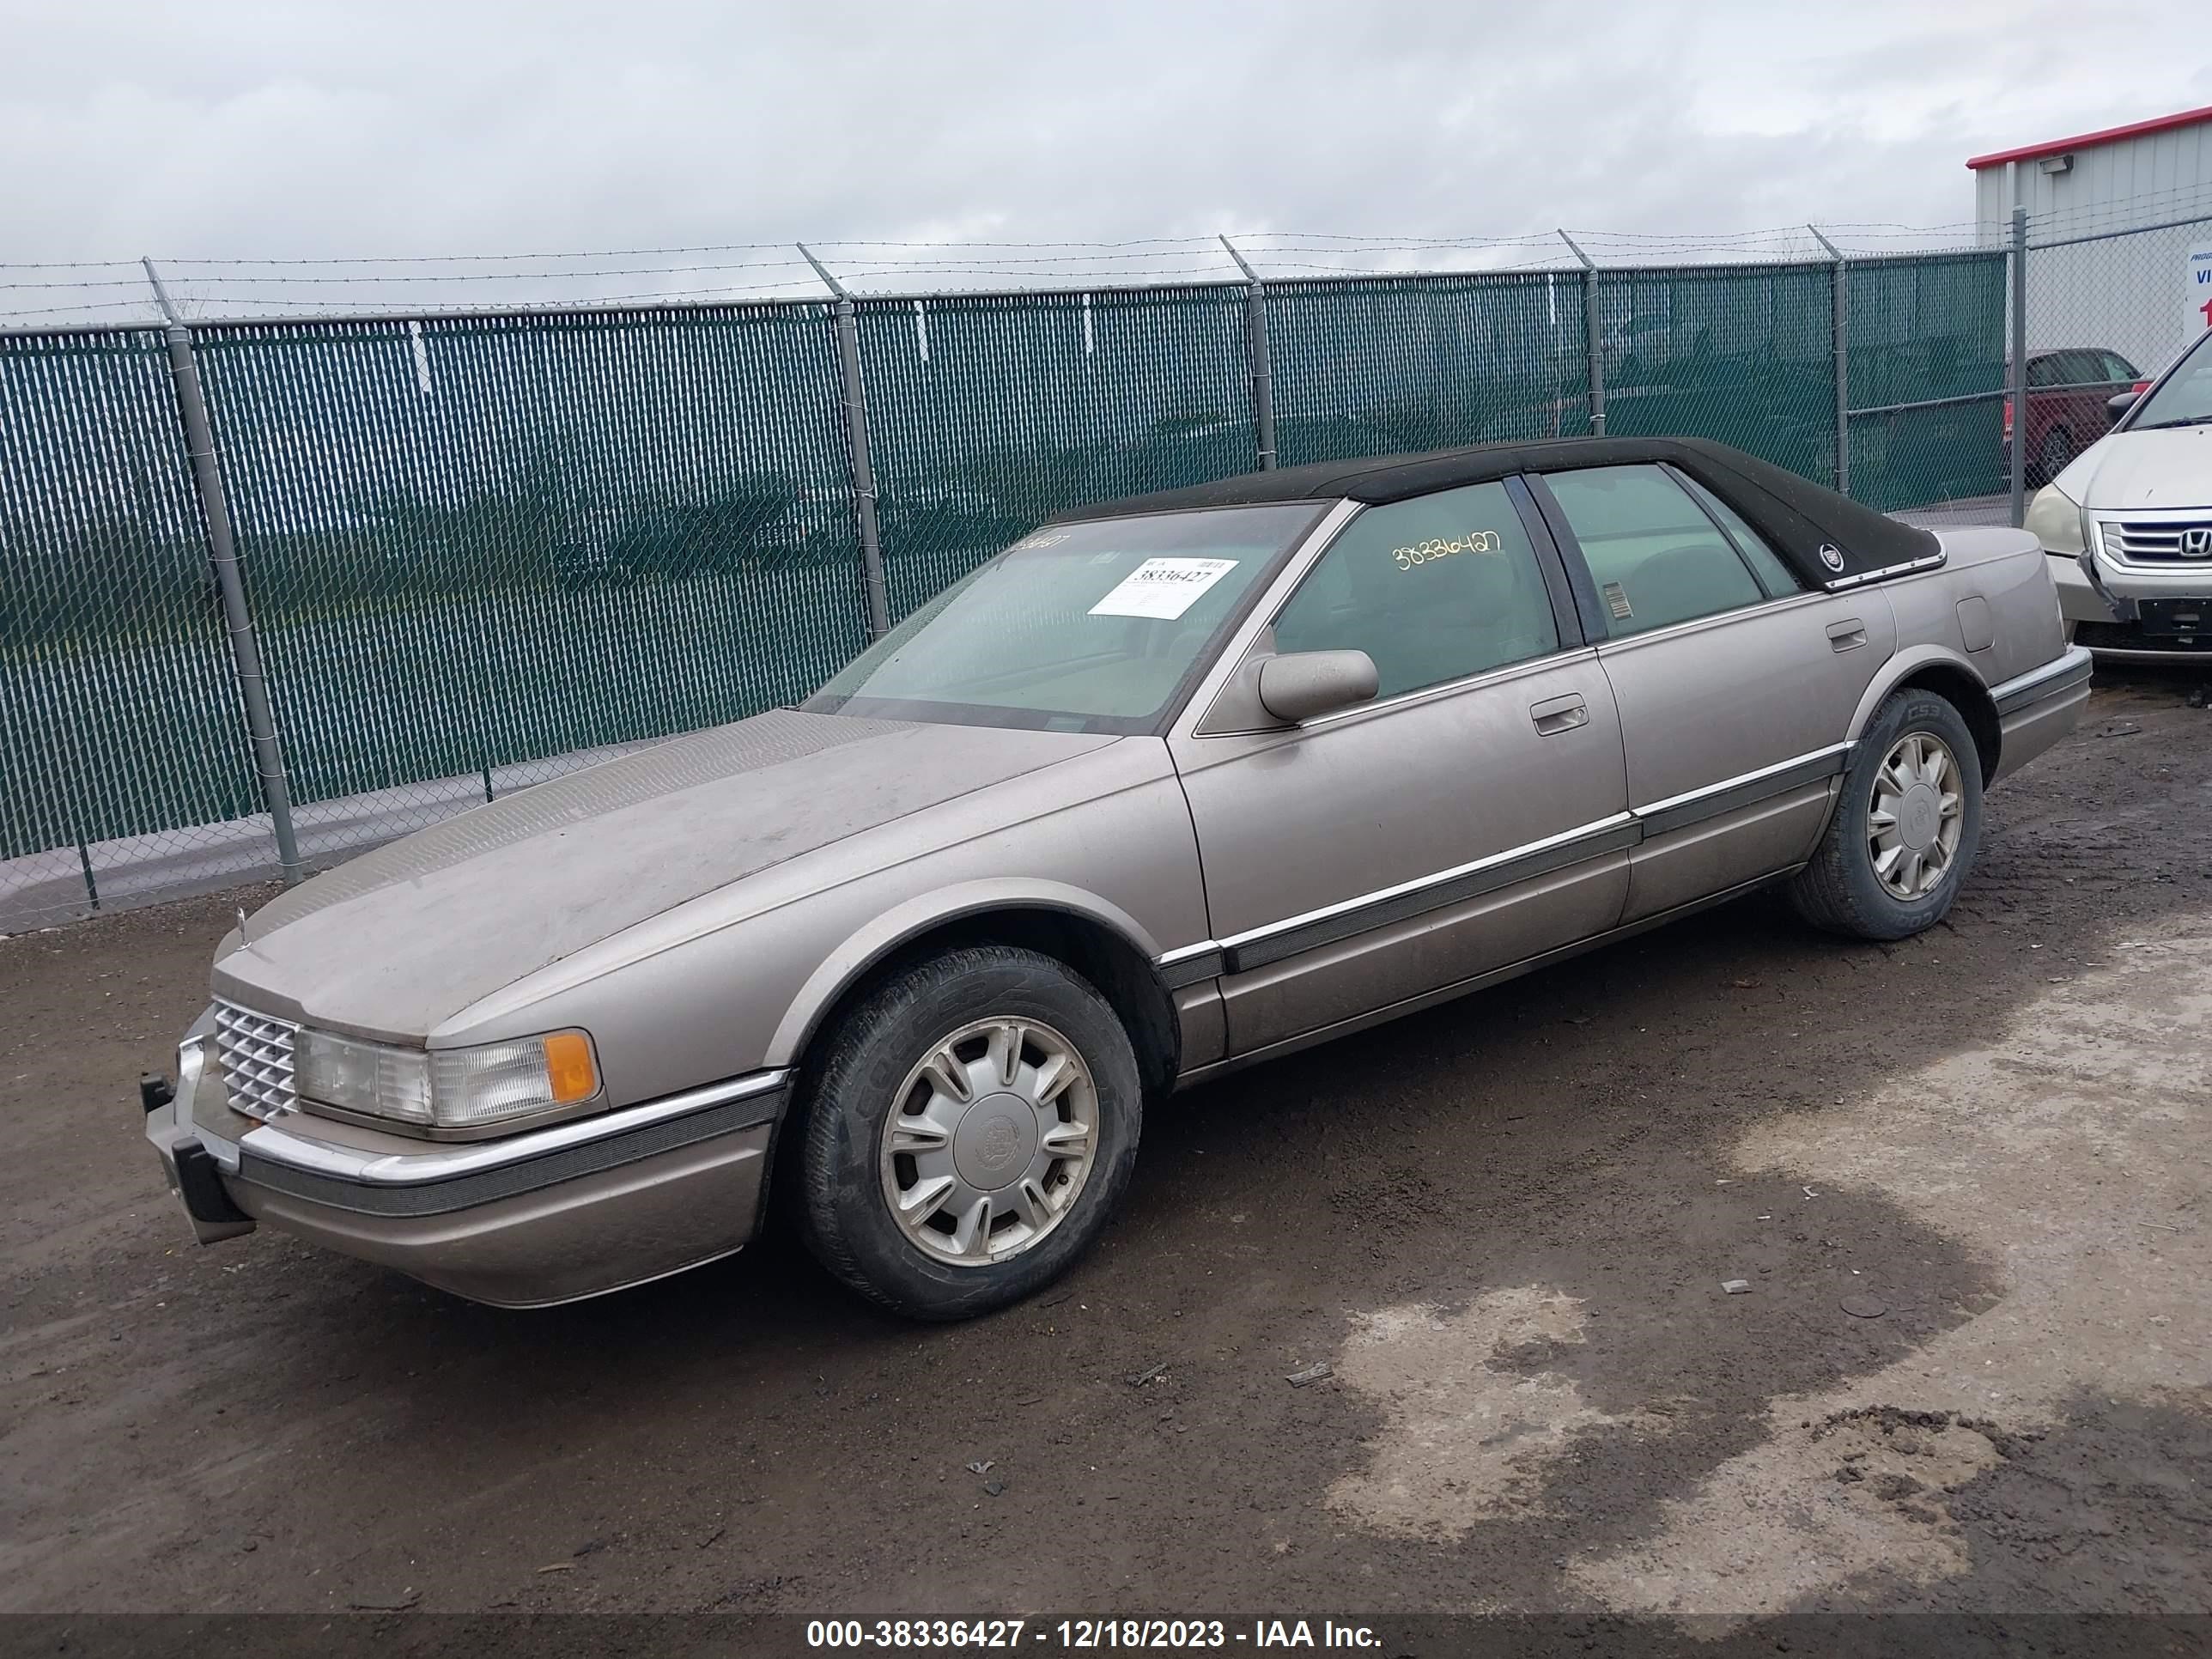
{"type": "Point", "coordinates": [213, 290]}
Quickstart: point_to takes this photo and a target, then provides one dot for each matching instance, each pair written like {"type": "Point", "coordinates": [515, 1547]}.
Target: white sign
{"type": "Point", "coordinates": [2198, 280]}
{"type": "Point", "coordinates": [1162, 587]}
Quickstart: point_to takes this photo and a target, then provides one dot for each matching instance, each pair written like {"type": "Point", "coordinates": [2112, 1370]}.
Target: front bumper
{"type": "Point", "coordinates": [550, 1215]}
{"type": "Point", "coordinates": [2107, 608]}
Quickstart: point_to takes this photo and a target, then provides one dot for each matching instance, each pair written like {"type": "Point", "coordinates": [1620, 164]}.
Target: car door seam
{"type": "Point", "coordinates": [1288, 938]}
{"type": "Point", "coordinates": [1331, 924]}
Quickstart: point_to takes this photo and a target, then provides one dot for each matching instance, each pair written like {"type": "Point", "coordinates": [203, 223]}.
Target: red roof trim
{"type": "Point", "coordinates": [2110, 135]}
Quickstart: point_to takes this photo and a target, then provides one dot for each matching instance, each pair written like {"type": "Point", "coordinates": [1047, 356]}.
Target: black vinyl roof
{"type": "Point", "coordinates": [1813, 527]}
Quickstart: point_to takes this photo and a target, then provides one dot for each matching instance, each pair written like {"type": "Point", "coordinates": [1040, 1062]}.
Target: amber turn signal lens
{"type": "Point", "coordinates": [569, 1067]}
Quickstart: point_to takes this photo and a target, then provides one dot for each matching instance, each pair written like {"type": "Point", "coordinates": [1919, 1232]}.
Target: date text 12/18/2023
{"type": "Point", "coordinates": [1085, 1635]}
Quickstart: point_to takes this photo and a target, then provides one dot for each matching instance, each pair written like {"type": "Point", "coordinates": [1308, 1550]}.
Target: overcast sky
{"type": "Point", "coordinates": [298, 128]}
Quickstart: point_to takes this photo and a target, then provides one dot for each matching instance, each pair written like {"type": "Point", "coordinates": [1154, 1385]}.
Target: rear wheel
{"type": "Point", "coordinates": [1906, 831]}
{"type": "Point", "coordinates": [970, 1128]}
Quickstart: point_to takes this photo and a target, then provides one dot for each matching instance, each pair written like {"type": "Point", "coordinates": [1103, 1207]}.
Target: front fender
{"type": "Point", "coordinates": [733, 981]}
{"type": "Point", "coordinates": [870, 944]}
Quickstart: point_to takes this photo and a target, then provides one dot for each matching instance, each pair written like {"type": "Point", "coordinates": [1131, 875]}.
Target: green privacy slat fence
{"type": "Point", "coordinates": [471, 543]}
{"type": "Point", "coordinates": [1384, 365]}
{"type": "Point", "coordinates": [473, 546]}
{"type": "Point", "coordinates": [118, 712]}
{"type": "Point", "coordinates": [1923, 330]}
{"type": "Point", "coordinates": [988, 413]}
{"type": "Point", "coordinates": [1743, 354]}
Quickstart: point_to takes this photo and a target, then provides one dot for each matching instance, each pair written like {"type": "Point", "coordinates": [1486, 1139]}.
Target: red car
{"type": "Point", "coordinates": [2066, 413]}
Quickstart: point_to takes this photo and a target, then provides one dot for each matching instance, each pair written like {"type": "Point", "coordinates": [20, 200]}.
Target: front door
{"type": "Point", "coordinates": [1736, 685]}
{"type": "Point", "coordinates": [1469, 817]}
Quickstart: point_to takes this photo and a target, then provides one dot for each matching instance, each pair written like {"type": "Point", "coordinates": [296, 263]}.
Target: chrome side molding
{"type": "Point", "coordinates": [1256, 947]}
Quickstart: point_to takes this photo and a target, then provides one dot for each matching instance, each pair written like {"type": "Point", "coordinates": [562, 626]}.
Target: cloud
{"type": "Point", "coordinates": [315, 128]}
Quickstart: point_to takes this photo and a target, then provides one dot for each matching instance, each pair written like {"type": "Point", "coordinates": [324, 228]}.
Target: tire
{"type": "Point", "coordinates": [1845, 890]}
{"type": "Point", "coordinates": [913, 1090]}
{"type": "Point", "coordinates": [2055, 455]}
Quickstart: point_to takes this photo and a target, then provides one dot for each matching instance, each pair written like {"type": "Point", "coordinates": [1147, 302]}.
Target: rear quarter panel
{"type": "Point", "coordinates": [2010, 569]}
{"type": "Point", "coordinates": [2007, 571]}
{"type": "Point", "coordinates": [1998, 578]}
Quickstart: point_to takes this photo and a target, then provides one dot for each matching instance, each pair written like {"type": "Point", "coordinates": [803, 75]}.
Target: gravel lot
{"type": "Point", "coordinates": [1966, 1177]}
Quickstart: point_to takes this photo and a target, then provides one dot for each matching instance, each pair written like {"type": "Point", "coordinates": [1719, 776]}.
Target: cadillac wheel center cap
{"type": "Point", "coordinates": [995, 1141]}
{"type": "Point", "coordinates": [1919, 818]}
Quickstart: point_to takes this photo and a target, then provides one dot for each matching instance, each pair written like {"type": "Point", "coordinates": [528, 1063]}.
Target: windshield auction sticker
{"type": "Point", "coordinates": [1162, 587]}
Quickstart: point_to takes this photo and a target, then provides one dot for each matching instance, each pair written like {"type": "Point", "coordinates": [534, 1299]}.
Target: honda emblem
{"type": "Point", "coordinates": [2197, 542]}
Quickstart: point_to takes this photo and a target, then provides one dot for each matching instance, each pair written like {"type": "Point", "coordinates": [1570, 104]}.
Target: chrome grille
{"type": "Point", "coordinates": [255, 1053]}
{"type": "Point", "coordinates": [2160, 541]}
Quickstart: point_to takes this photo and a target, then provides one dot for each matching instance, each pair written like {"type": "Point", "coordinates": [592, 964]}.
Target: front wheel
{"type": "Point", "coordinates": [968, 1133]}
{"type": "Point", "coordinates": [1905, 830]}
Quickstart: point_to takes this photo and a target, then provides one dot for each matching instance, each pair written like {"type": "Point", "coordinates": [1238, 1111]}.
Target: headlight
{"type": "Point", "coordinates": [2054, 520]}
{"type": "Point", "coordinates": [446, 1088]}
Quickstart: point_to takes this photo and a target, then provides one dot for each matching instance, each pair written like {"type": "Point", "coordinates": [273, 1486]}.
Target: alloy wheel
{"type": "Point", "coordinates": [1916, 815]}
{"type": "Point", "coordinates": [990, 1141]}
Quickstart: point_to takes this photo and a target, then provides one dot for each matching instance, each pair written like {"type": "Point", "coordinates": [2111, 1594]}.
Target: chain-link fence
{"type": "Point", "coordinates": [2104, 310]}
{"type": "Point", "coordinates": [476, 549]}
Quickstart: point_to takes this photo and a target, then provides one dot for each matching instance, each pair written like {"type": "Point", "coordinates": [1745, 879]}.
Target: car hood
{"type": "Point", "coordinates": [2123, 470]}
{"type": "Point", "coordinates": [402, 938]}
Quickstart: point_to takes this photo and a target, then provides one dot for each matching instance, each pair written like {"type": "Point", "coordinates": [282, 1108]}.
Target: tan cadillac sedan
{"type": "Point", "coordinates": [1169, 786]}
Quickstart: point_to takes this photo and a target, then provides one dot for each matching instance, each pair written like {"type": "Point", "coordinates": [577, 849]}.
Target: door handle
{"type": "Point", "coordinates": [1848, 635]}
{"type": "Point", "coordinates": [1558, 715]}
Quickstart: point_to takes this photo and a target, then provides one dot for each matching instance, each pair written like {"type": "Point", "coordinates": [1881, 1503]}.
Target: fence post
{"type": "Point", "coordinates": [2017, 393]}
{"type": "Point", "coordinates": [1593, 342]}
{"type": "Point", "coordinates": [1841, 334]}
{"type": "Point", "coordinates": [877, 589]}
{"type": "Point", "coordinates": [1263, 361]}
{"type": "Point", "coordinates": [222, 554]}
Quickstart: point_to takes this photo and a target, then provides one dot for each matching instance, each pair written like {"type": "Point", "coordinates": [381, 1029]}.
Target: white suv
{"type": "Point", "coordinates": [2132, 518]}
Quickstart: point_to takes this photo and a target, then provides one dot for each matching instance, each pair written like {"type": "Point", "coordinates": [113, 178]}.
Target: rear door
{"type": "Point", "coordinates": [1736, 685]}
{"type": "Point", "coordinates": [1472, 815]}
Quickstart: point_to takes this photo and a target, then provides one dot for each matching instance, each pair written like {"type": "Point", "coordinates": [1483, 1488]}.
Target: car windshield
{"type": "Point", "coordinates": [2185, 398]}
{"type": "Point", "coordinates": [1094, 626]}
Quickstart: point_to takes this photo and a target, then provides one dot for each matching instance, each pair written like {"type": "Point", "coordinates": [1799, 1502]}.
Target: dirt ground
{"type": "Point", "coordinates": [1966, 1177]}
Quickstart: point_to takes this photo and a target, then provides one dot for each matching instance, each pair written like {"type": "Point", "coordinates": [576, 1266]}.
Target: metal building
{"type": "Point", "coordinates": [2120, 168]}
{"type": "Point", "coordinates": [2119, 229]}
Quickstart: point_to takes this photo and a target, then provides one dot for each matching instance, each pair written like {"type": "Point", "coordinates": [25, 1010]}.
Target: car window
{"type": "Point", "coordinates": [1093, 626]}
{"type": "Point", "coordinates": [2185, 396]}
{"type": "Point", "coordinates": [2043, 371]}
{"type": "Point", "coordinates": [1776, 577]}
{"type": "Point", "coordinates": [2085, 368]}
{"type": "Point", "coordinates": [1656, 558]}
{"type": "Point", "coordinates": [2118, 368]}
{"type": "Point", "coordinates": [1433, 589]}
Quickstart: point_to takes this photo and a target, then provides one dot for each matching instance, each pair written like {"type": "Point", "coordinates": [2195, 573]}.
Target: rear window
{"type": "Point", "coordinates": [1657, 557]}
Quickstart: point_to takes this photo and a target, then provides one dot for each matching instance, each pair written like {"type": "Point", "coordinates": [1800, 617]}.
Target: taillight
{"type": "Point", "coordinates": [2008, 417]}
{"type": "Point", "coordinates": [2140, 387]}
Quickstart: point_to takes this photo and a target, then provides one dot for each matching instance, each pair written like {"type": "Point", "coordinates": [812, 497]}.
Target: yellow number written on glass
{"type": "Point", "coordinates": [1443, 547]}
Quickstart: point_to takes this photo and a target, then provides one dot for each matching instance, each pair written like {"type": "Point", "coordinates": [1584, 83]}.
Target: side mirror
{"type": "Point", "coordinates": [2121, 403]}
{"type": "Point", "coordinates": [1304, 684]}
